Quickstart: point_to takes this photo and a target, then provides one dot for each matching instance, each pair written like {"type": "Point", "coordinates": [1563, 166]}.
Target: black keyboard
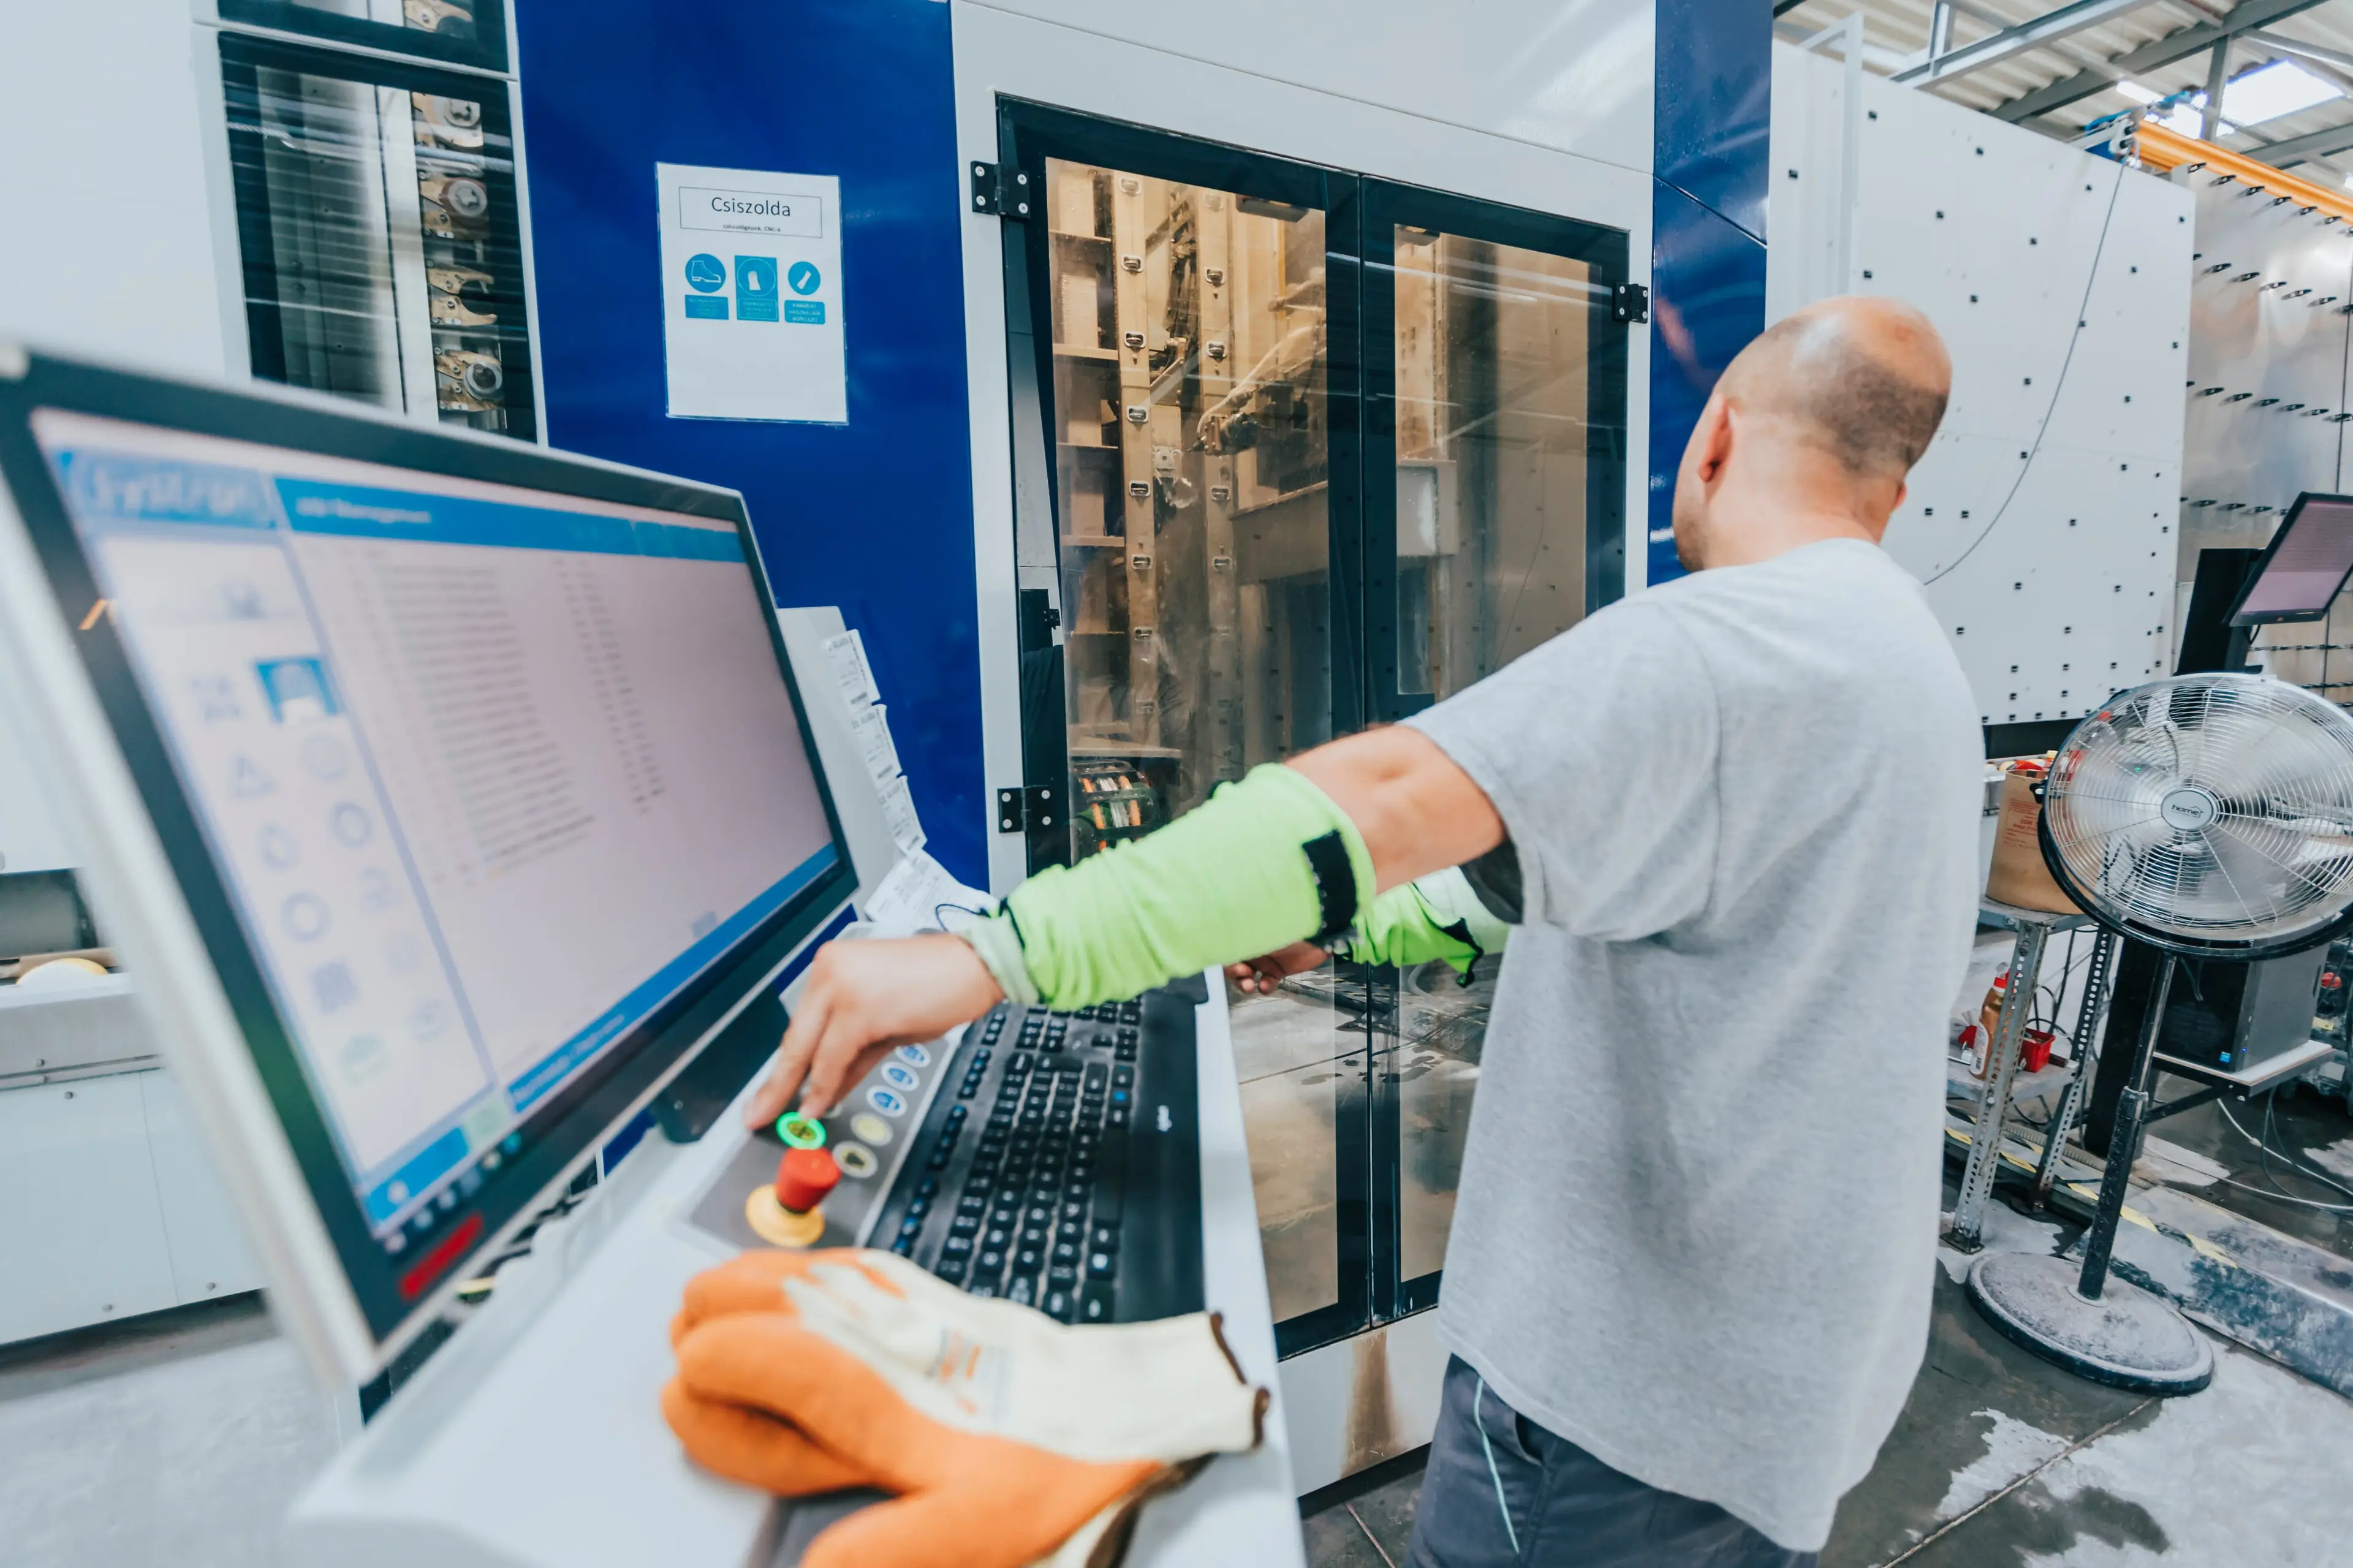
{"type": "Point", "coordinates": [1058, 1165]}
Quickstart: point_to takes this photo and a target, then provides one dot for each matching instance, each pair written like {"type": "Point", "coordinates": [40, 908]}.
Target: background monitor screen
{"type": "Point", "coordinates": [493, 780]}
{"type": "Point", "coordinates": [2302, 572]}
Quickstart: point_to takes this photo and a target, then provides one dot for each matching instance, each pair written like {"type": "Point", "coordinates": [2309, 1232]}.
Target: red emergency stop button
{"type": "Point", "coordinates": [803, 1178]}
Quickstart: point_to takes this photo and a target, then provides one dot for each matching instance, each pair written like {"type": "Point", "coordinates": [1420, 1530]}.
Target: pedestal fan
{"type": "Point", "coordinates": [2209, 817]}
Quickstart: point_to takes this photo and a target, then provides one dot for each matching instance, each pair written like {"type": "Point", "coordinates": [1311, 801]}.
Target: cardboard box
{"type": "Point", "coordinates": [2019, 875]}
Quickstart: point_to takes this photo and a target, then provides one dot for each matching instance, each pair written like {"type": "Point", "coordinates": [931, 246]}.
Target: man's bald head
{"type": "Point", "coordinates": [1864, 379]}
{"type": "Point", "coordinates": [1811, 432]}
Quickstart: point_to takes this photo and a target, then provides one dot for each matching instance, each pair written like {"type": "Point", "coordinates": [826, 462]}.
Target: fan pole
{"type": "Point", "coordinates": [2124, 1146]}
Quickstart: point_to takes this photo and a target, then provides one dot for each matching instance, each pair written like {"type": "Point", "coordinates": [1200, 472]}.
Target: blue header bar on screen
{"type": "Point", "coordinates": [362, 512]}
{"type": "Point", "coordinates": [118, 489]}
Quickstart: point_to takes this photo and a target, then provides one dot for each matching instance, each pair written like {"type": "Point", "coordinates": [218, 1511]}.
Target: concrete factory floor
{"type": "Point", "coordinates": [2003, 1461]}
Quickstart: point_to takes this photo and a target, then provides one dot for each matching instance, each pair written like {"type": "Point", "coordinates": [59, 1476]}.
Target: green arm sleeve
{"type": "Point", "coordinates": [1262, 864]}
{"type": "Point", "coordinates": [1438, 916]}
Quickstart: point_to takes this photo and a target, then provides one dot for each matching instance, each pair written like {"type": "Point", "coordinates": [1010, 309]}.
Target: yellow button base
{"type": "Point", "coordinates": [777, 1226]}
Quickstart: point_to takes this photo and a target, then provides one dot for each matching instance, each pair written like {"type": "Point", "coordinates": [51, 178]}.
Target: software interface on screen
{"type": "Point", "coordinates": [2310, 564]}
{"type": "Point", "coordinates": [490, 774]}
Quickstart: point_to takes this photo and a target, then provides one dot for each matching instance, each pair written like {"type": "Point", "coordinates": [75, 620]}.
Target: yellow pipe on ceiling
{"type": "Point", "coordinates": [2162, 148]}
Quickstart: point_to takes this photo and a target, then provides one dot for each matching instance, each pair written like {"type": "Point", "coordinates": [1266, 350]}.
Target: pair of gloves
{"type": "Point", "coordinates": [1007, 1438]}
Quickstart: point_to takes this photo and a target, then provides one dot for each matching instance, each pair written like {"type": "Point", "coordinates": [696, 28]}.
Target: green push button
{"type": "Point", "coordinates": [799, 1131]}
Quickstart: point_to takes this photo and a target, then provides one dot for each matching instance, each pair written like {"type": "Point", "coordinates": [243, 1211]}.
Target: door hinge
{"type": "Point", "coordinates": [1019, 809]}
{"type": "Point", "coordinates": [1629, 302]}
{"type": "Point", "coordinates": [1002, 189]}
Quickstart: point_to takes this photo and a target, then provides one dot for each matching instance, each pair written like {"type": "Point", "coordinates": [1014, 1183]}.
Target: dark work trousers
{"type": "Point", "coordinates": [1502, 1492]}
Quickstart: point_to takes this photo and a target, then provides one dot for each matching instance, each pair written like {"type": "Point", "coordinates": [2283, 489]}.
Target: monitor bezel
{"type": "Point", "coordinates": [168, 907]}
{"type": "Point", "coordinates": [2240, 615]}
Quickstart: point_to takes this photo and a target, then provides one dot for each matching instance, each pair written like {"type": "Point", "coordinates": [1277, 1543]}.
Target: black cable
{"type": "Point", "coordinates": [2083, 314]}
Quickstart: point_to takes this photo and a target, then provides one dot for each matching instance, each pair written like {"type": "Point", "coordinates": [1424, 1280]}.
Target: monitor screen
{"type": "Point", "coordinates": [493, 779]}
{"type": "Point", "coordinates": [2300, 575]}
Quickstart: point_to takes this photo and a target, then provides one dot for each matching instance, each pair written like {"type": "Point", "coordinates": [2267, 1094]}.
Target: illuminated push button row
{"type": "Point", "coordinates": [785, 1213]}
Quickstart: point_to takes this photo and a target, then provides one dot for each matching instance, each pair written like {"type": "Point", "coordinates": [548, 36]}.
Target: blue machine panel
{"type": "Point", "coordinates": [1707, 214]}
{"type": "Point", "coordinates": [875, 515]}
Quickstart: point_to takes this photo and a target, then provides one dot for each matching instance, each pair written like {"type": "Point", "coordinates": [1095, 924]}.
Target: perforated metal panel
{"type": "Point", "coordinates": [2043, 518]}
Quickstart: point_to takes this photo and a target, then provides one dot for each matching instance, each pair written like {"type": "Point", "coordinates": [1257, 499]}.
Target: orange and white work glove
{"type": "Point", "coordinates": [1008, 1438]}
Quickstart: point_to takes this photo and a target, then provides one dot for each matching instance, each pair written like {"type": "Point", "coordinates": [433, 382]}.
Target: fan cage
{"type": "Point", "coordinates": [2210, 815]}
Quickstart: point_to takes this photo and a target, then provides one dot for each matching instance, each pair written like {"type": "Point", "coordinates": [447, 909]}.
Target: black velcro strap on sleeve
{"type": "Point", "coordinates": [1335, 885]}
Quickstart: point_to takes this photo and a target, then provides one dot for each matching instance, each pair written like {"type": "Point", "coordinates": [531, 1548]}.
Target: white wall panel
{"type": "Point", "coordinates": [80, 1230]}
{"type": "Point", "coordinates": [2042, 519]}
{"type": "Point", "coordinates": [209, 1254]}
{"type": "Point", "coordinates": [108, 247]}
{"type": "Point", "coordinates": [1575, 75]}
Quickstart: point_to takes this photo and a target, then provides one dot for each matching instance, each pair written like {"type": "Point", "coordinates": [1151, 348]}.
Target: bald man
{"type": "Point", "coordinates": [1730, 825]}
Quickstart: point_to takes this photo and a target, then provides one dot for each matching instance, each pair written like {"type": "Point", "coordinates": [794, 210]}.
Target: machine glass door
{"type": "Point", "coordinates": [458, 32]}
{"type": "Point", "coordinates": [1183, 315]}
{"type": "Point", "coordinates": [378, 233]}
{"type": "Point", "coordinates": [1496, 402]}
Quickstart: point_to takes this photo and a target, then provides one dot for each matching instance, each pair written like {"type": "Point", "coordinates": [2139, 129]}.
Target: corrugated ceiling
{"type": "Point", "coordinates": [1896, 30]}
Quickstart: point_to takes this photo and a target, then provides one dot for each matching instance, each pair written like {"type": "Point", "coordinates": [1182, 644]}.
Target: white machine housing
{"type": "Point", "coordinates": [2042, 517]}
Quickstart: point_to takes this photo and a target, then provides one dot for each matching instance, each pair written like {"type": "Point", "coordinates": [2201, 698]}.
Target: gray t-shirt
{"type": "Point", "coordinates": [1698, 1211]}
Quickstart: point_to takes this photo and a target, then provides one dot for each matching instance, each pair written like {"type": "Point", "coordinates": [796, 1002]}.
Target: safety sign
{"type": "Point", "coordinates": [752, 294]}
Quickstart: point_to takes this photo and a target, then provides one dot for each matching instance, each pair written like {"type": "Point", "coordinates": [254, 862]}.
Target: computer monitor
{"type": "Point", "coordinates": [2304, 569]}
{"type": "Point", "coordinates": [443, 793]}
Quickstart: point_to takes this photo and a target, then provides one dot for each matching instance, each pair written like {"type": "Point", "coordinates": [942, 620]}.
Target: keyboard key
{"type": "Point", "coordinates": [1094, 1304]}
{"type": "Point", "coordinates": [1066, 1252]}
{"type": "Point", "coordinates": [965, 1226]}
{"type": "Point", "coordinates": [958, 1244]}
{"type": "Point", "coordinates": [1071, 1230]}
{"type": "Point", "coordinates": [1022, 1291]}
{"type": "Point", "coordinates": [1105, 1237]}
{"type": "Point", "coordinates": [972, 1203]}
{"type": "Point", "coordinates": [953, 1270]}
{"type": "Point", "coordinates": [990, 1261]}
{"type": "Point", "coordinates": [1062, 1274]}
{"type": "Point", "coordinates": [1030, 1259]}
{"type": "Point", "coordinates": [1122, 1078]}
{"type": "Point", "coordinates": [1101, 1265]}
{"type": "Point", "coordinates": [1059, 1306]}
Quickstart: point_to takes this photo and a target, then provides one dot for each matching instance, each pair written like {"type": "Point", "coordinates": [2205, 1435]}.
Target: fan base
{"type": "Point", "coordinates": [2127, 1339]}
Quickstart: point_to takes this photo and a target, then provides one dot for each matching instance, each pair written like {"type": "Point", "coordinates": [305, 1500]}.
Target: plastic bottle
{"type": "Point", "coordinates": [1989, 1015]}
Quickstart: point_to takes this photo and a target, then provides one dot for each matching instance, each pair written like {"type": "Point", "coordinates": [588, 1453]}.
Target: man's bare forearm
{"type": "Point", "coordinates": [1416, 808]}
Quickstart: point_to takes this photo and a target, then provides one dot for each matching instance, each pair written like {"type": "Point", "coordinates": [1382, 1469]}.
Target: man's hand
{"type": "Point", "coordinates": [862, 999]}
{"type": "Point", "coordinates": [1260, 976]}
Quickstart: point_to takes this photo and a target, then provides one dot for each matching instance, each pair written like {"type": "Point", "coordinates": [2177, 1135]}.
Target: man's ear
{"type": "Point", "coordinates": [1712, 440]}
